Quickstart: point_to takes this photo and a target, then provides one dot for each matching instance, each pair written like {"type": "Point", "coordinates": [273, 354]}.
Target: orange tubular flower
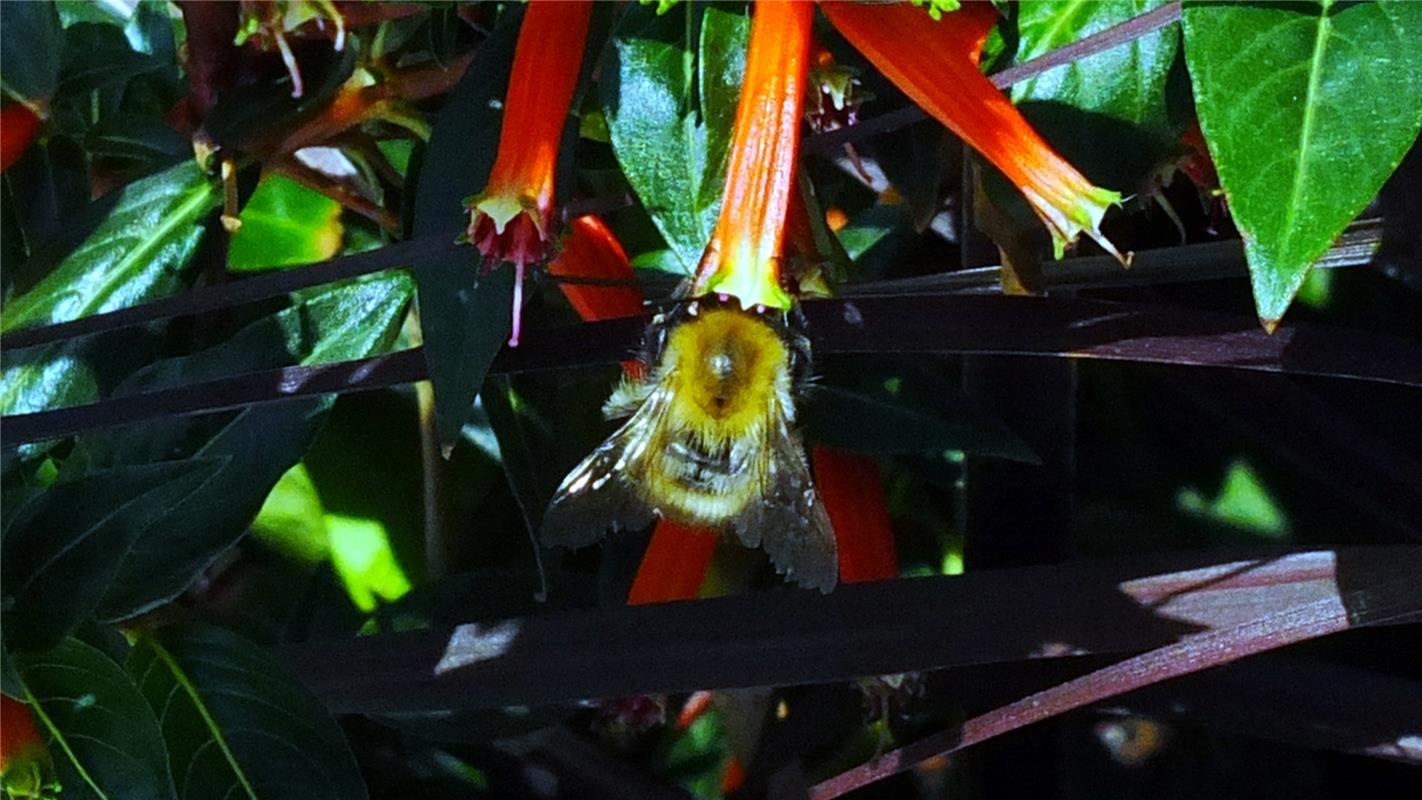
{"type": "Point", "coordinates": [936, 65]}
{"type": "Point", "coordinates": [854, 497]}
{"type": "Point", "coordinates": [678, 557]}
{"type": "Point", "coordinates": [592, 251]}
{"type": "Point", "coordinates": [742, 259]}
{"type": "Point", "coordinates": [513, 218]}
{"type": "Point", "coordinates": [675, 564]}
{"type": "Point", "coordinates": [25, 766]}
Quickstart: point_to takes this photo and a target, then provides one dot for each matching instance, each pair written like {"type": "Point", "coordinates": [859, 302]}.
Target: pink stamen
{"type": "Point", "coordinates": [517, 303]}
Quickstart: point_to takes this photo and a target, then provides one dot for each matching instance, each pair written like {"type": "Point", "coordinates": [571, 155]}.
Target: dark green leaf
{"type": "Point", "coordinates": [102, 734]}
{"type": "Point", "coordinates": [520, 440]}
{"type": "Point", "coordinates": [878, 423]}
{"type": "Point", "coordinates": [1307, 109]}
{"type": "Point", "coordinates": [672, 150]}
{"type": "Point", "coordinates": [134, 255]}
{"type": "Point", "coordinates": [136, 137]}
{"type": "Point", "coordinates": [29, 50]}
{"type": "Point", "coordinates": [65, 546]}
{"type": "Point", "coordinates": [465, 317]}
{"type": "Point", "coordinates": [337, 323]}
{"type": "Point", "coordinates": [97, 55]}
{"type": "Point", "coordinates": [236, 725]}
{"type": "Point", "coordinates": [1127, 82]}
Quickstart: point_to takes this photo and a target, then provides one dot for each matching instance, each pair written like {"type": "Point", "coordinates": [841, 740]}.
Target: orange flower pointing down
{"type": "Point", "coordinates": [743, 257]}
{"type": "Point", "coordinates": [936, 65]}
{"type": "Point", "coordinates": [513, 218]}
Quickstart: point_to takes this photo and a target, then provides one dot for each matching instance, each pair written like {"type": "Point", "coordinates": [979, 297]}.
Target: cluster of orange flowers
{"type": "Point", "coordinates": [935, 63]}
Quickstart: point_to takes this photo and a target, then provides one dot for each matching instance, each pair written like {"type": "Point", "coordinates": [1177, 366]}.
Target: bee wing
{"type": "Point", "coordinates": [790, 522]}
{"type": "Point", "coordinates": [599, 494]}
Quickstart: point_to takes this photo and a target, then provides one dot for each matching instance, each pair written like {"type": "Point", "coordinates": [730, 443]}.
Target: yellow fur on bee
{"type": "Point", "coordinates": [725, 369]}
{"type": "Point", "coordinates": [726, 377]}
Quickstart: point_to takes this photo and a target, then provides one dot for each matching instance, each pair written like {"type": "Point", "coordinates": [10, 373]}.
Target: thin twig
{"type": "Point", "coordinates": [248, 290]}
{"type": "Point", "coordinates": [925, 324]}
{"type": "Point", "coordinates": [432, 464]}
{"type": "Point", "coordinates": [1202, 261]}
{"type": "Point", "coordinates": [1210, 649]}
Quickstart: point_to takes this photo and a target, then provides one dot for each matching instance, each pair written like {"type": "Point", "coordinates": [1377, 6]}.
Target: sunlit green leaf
{"type": "Point", "coordinates": [136, 254]}
{"type": "Point", "coordinates": [285, 223]}
{"type": "Point", "coordinates": [1307, 108]}
{"type": "Point", "coordinates": [1243, 501]}
{"type": "Point", "coordinates": [102, 734]}
{"type": "Point", "coordinates": [236, 725]}
{"type": "Point", "coordinates": [364, 560]}
{"type": "Point", "coordinates": [292, 518]}
{"type": "Point", "coordinates": [261, 443]}
{"type": "Point", "coordinates": [672, 148]}
{"type": "Point", "coordinates": [1127, 82]}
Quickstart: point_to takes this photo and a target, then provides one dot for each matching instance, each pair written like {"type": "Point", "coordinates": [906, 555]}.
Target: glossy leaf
{"type": "Point", "coordinates": [672, 149]}
{"type": "Point", "coordinates": [1126, 83]}
{"type": "Point", "coordinates": [133, 256]}
{"type": "Point", "coordinates": [64, 547]}
{"type": "Point", "coordinates": [259, 444]}
{"type": "Point", "coordinates": [236, 725]}
{"type": "Point", "coordinates": [102, 734]}
{"type": "Point", "coordinates": [285, 223]}
{"type": "Point", "coordinates": [136, 254]}
{"type": "Point", "coordinates": [1307, 109]}
{"type": "Point", "coordinates": [465, 317]}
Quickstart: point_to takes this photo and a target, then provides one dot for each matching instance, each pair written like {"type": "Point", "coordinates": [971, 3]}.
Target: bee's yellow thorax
{"type": "Point", "coordinates": [727, 370]}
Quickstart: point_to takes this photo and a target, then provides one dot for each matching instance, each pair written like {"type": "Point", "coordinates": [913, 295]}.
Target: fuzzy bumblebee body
{"type": "Point", "coordinates": [710, 442]}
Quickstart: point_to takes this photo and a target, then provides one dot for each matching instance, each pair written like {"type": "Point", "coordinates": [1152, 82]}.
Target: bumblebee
{"type": "Point", "coordinates": [709, 441]}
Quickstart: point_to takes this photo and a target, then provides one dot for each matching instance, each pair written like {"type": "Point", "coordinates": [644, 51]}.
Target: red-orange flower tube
{"type": "Point", "coordinates": [742, 259]}
{"type": "Point", "coordinates": [25, 766]}
{"type": "Point", "coordinates": [18, 127]}
{"type": "Point", "coordinates": [678, 556]}
{"type": "Point", "coordinates": [936, 65]}
{"type": "Point", "coordinates": [513, 218]}
{"type": "Point", "coordinates": [854, 497]}
{"type": "Point", "coordinates": [592, 251]}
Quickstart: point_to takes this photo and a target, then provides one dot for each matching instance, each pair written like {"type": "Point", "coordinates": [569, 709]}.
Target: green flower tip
{"type": "Point", "coordinates": [937, 8]}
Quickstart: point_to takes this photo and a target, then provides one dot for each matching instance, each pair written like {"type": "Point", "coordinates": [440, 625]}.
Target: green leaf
{"type": "Point", "coordinates": [136, 137]}
{"type": "Point", "coordinates": [465, 317]}
{"type": "Point", "coordinates": [101, 732]}
{"type": "Point", "coordinates": [135, 255]}
{"type": "Point", "coordinates": [30, 40]}
{"type": "Point", "coordinates": [291, 520]}
{"type": "Point", "coordinates": [673, 150]}
{"type": "Point", "coordinates": [285, 223]}
{"type": "Point", "coordinates": [879, 423]}
{"type": "Point", "coordinates": [236, 725]}
{"type": "Point", "coordinates": [259, 444]}
{"type": "Point", "coordinates": [64, 546]}
{"type": "Point", "coordinates": [1307, 108]}
{"type": "Point", "coordinates": [365, 560]}
{"type": "Point", "coordinates": [98, 55]}
{"type": "Point", "coordinates": [1127, 82]}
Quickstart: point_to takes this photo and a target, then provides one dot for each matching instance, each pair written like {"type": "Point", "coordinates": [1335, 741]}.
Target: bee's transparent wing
{"type": "Point", "coordinates": [599, 494]}
{"type": "Point", "coordinates": [790, 522]}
